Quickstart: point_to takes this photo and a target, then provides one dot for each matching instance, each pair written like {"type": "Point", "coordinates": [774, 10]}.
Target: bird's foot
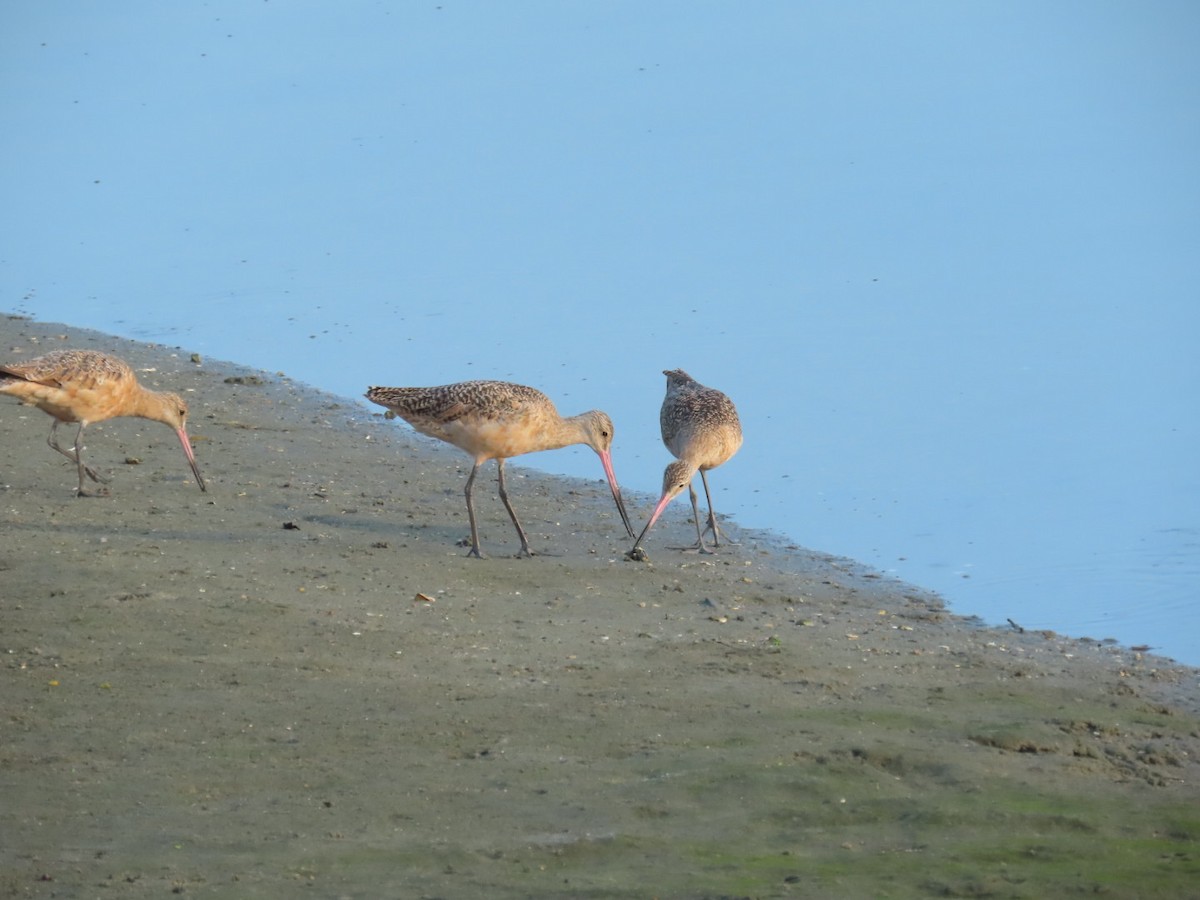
{"type": "Point", "coordinates": [95, 476]}
{"type": "Point", "coordinates": [718, 535]}
{"type": "Point", "coordinates": [99, 492]}
{"type": "Point", "coordinates": [701, 549]}
{"type": "Point", "coordinates": [637, 554]}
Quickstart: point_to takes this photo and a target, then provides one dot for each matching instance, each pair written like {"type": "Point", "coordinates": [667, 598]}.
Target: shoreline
{"type": "Point", "coordinates": [237, 692]}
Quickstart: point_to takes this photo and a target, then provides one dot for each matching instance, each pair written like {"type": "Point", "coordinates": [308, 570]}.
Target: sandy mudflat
{"type": "Point", "coordinates": [240, 694]}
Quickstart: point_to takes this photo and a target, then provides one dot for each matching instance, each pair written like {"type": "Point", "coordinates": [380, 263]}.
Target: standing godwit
{"type": "Point", "coordinates": [701, 429]}
{"type": "Point", "coordinates": [87, 386]}
{"type": "Point", "coordinates": [497, 420]}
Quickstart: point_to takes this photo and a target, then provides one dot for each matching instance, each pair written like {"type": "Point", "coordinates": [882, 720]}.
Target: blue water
{"type": "Point", "coordinates": [942, 256]}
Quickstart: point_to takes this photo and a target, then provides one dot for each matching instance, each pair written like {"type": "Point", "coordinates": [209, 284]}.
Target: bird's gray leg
{"type": "Point", "coordinates": [53, 442]}
{"type": "Point", "coordinates": [699, 546]}
{"type": "Point", "coordinates": [696, 516]}
{"type": "Point", "coordinates": [75, 455]}
{"type": "Point", "coordinates": [512, 513]}
{"type": "Point", "coordinates": [475, 551]}
{"type": "Point", "coordinates": [712, 516]}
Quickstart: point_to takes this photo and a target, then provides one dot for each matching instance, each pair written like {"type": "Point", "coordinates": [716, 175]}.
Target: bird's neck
{"type": "Point", "coordinates": [568, 431]}
{"type": "Point", "coordinates": [146, 404]}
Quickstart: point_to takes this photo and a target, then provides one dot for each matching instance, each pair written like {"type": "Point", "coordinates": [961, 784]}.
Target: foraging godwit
{"type": "Point", "coordinates": [701, 429]}
{"type": "Point", "coordinates": [87, 386]}
{"type": "Point", "coordinates": [497, 420]}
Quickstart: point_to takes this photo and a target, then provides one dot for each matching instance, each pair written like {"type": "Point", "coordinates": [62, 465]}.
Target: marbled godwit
{"type": "Point", "coordinates": [87, 386]}
{"type": "Point", "coordinates": [701, 429]}
{"type": "Point", "coordinates": [497, 420]}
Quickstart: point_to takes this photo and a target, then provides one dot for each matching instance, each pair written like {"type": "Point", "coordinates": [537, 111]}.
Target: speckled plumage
{"type": "Point", "coordinates": [700, 427]}
{"type": "Point", "coordinates": [85, 387]}
{"type": "Point", "coordinates": [699, 424]}
{"type": "Point", "coordinates": [498, 420]}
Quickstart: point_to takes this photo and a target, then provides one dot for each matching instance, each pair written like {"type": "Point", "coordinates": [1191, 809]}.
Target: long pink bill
{"type": "Point", "coordinates": [662, 504]}
{"type": "Point", "coordinates": [191, 458]}
{"type": "Point", "coordinates": [606, 460]}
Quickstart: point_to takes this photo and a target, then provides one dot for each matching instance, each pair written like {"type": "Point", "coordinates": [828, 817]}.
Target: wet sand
{"type": "Point", "coordinates": [297, 684]}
